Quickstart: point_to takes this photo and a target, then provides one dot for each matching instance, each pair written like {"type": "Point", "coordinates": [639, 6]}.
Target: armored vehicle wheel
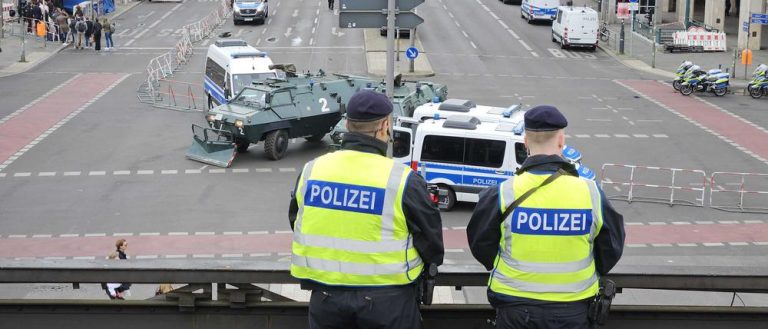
{"type": "Point", "coordinates": [315, 138]}
{"type": "Point", "coordinates": [276, 144]}
{"type": "Point", "coordinates": [242, 145]}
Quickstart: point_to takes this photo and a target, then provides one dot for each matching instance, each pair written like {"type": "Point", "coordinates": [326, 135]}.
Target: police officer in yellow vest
{"type": "Point", "coordinates": [364, 228]}
{"type": "Point", "coordinates": [546, 257]}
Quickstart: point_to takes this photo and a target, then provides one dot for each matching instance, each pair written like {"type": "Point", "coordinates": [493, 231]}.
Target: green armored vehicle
{"type": "Point", "coordinates": [274, 111]}
{"type": "Point", "coordinates": [408, 95]}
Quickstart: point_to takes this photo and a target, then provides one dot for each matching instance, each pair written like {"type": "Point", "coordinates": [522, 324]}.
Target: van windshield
{"type": "Point", "coordinates": [250, 97]}
{"type": "Point", "coordinates": [240, 81]}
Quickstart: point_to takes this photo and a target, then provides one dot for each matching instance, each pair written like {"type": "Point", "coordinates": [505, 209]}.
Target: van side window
{"type": "Point", "coordinates": [281, 98]}
{"type": "Point", "coordinates": [521, 153]}
{"type": "Point", "coordinates": [401, 144]}
{"type": "Point", "coordinates": [215, 72]}
{"type": "Point", "coordinates": [485, 152]}
{"type": "Point", "coordinates": [443, 149]}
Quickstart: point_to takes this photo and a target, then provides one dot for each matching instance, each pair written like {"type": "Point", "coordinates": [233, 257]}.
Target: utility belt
{"type": "Point", "coordinates": [426, 284]}
{"type": "Point", "coordinates": [600, 306]}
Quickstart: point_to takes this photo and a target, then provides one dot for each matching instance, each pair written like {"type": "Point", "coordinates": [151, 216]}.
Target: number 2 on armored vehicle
{"type": "Point", "coordinates": [273, 111]}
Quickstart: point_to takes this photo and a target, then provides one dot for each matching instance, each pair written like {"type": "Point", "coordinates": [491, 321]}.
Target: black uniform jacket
{"type": "Point", "coordinates": [484, 235]}
{"type": "Point", "coordinates": [421, 215]}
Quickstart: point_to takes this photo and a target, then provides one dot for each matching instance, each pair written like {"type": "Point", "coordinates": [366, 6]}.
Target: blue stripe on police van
{"type": "Point", "coordinates": [346, 197]}
{"type": "Point", "coordinates": [216, 92]}
{"type": "Point", "coordinates": [534, 221]}
{"type": "Point", "coordinates": [430, 165]}
{"type": "Point", "coordinates": [452, 178]}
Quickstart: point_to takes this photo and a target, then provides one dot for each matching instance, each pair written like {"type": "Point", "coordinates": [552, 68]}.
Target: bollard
{"type": "Point", "coordinates": [621, 38]}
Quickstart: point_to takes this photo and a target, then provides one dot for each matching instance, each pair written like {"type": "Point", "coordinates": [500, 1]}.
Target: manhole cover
{"type": "Point", "coordinates": [272, 39]}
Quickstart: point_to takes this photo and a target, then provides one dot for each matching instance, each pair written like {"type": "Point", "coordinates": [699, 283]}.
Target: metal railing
{"type": "Point", "coordinates": [754, 189]}
{"type": "Point", "coordinates": [162, 67]}
{"type": "Point", "coordinates": [222, 293]}
{"type": "Point", "coordinates": [666, 179]}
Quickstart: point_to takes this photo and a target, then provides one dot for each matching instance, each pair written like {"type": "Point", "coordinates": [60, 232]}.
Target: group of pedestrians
{"type": "Point", "coordinates": [77, 29]}
{"type": "Point", "coordinates": [86, 32]}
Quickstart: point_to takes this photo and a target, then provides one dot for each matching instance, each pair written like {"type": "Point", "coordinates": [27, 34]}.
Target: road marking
{"type": "Point", "coordinates": [169, 172]}
{"type": "Point", "coordinates": [121, 172]}
{"type": "Point", "coordinates": [71, 173]}
{"type": "Point", "coordinates": [525, 45]}
{"type": "Point", "coordinates": [217, 171]}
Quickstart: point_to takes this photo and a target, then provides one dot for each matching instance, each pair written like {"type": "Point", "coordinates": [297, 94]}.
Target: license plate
{"type": "Point", "coordinates": [247, 19]}
{"type": "Point", "coordinates": [219, 116]}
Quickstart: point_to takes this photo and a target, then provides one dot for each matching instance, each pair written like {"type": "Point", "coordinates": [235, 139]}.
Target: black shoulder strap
{"type": "Point", "coordinates": [525, 195]}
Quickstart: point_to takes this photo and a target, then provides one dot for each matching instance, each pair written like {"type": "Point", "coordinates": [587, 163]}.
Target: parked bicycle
{"type": "Point", "coordinates": [605, 33]}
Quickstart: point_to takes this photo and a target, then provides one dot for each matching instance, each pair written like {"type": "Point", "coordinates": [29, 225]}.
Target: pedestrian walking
{"type": "Point", "coordinates": [546, 234]}
{"type": "Point", "coordinates": [122, 247]}
{"type": "Point", "coordinates": [97, 35]}
{"type": "Point", "coordinates": [88, 32]}
{"type": "Point", "coordinates": [330, 4]}
{"type": "Point", "coordinates": [62, 23]}
{"type": "Point", "coordinates": [108, 29]}
{"type": "Point", "coordinates": [362, 257]}
{"type": "Point", "coordinates": [80, 28]}
{"type": "Point", "coordinates": [111, 288]}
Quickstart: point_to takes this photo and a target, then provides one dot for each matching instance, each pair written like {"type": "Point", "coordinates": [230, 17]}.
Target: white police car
{"type": "Point", "coordinates": [461, 154]}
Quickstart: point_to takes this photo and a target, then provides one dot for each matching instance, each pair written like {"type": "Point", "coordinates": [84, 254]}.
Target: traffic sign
{"type": "Point", "coordinates": [760, 21]}
{"type": "Point", "coordinates": [372, 19]}
{"type": "Point", "coordinates": [377, 5]}
{"type": "Point", "coordinates": [760, 16]}
{"type": "Point", "coordinates": [634, 6]}
{"type": "Point", "coordinates": [412, 53]}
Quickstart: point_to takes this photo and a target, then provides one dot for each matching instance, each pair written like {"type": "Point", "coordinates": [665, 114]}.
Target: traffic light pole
{"type": "Point", "coordinates": [391, 48]}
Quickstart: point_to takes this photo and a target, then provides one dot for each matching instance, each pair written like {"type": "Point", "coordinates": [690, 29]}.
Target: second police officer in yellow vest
{"type": "Point", "coordinates": [364, 228]}
{"type": "Point", "coordinates": [547, 255]}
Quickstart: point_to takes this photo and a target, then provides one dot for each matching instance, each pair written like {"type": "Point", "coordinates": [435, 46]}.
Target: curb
{"type": "Point", "coordinates": [62, 47]}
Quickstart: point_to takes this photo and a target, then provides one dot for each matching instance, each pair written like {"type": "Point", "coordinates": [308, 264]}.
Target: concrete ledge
{"type": "Point", "coordinates": [376, 57]}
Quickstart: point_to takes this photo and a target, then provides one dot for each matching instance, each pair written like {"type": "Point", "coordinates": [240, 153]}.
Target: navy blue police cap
{"type": "Point", "coordinates": [368, 105]}
{"type": "Point", "coordinates": [544, 118]}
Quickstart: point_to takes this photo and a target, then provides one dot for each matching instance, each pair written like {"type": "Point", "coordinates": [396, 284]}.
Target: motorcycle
{"type": "Point", "coordinates": [758, 87]}
{"type": "Point", "coordinates": [680, 73]}
{"type": "Point", "coordinates": [698, 80]}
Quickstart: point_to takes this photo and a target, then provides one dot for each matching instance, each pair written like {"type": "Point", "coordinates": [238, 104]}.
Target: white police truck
{"type": "Point", "coordinates": [231, 65]}
{"type": "Point", "coordinates": [462, 154]}
{"type": "Point", "coordinates": [575, 27]}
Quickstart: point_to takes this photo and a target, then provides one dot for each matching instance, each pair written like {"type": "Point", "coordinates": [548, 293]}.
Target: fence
{"type": "Point", "coordinates": [750, 194]}
{"type": "Point", "coordinates": [709, 41]}
{"type": "Point", "coordinates": [34, 30]}
{"type": "Point", "coordinates": [684, 186]}
{"type": "Point", "coordinates": [160, 92]}
{"type": "Point", "coordinates": [635, 44]}
{"type": "Point", "coordinates": [728, 191]}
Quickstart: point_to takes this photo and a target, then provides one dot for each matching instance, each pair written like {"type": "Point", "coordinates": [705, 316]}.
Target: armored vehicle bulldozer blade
{"type": "Point", "coordinates": [212, 146]}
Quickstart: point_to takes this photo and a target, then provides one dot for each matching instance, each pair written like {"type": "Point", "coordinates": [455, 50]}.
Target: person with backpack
{"type": "Point", "coordinates": [108, 29]}
{"type": "Point", "coordinates": [88, 32]}
{"type": "Point", "coordinates": [80, 28]}
{"type": "Point", "coordinates": [97, 35]}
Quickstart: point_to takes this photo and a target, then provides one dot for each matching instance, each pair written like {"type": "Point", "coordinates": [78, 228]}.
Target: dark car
{"type": "Point", "coordinates": [403, 33]}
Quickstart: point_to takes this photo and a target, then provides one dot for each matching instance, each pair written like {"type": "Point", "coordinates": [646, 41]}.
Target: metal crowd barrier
{"type": "Point", "coordinates": [179, 95]}
{"type": "Point", "coordinates": [163, 66]}
{"type": "Point", "coordinates": [756, 187]}
{"type": "Point", "coordinates": [222, 293]}
{"type": "Point", "coordinates": [671, 185]}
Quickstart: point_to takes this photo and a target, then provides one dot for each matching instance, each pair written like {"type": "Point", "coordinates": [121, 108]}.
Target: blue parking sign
{"type": "Point", "coordinates": [412, 53]}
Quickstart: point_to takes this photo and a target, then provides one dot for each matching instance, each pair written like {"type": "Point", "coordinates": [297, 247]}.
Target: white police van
{"type": "Point", "coordinates": [545, 10]}
{"type": "Point", "coordinates": [575, 27]}
{"type": "Point", "coordinates": [231, 65]}
{"type": "Point", "coordinates": [513, 114]}
{"type": "Point", "coordinates": [462, 154]}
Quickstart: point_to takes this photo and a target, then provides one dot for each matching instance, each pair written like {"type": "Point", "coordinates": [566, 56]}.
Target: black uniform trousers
{"type": "Point", "coordinates": [545, 316]}
{"type": "Point", "coordinates": [364, 308]}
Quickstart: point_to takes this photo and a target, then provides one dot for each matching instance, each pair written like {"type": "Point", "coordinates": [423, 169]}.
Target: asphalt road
{"type": "Point", "coordinates": [115, 167]}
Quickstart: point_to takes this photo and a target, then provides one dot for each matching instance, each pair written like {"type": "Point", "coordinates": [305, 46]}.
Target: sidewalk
{"type": "Point", "coordinates": [376, 57]}
{"type": "Point", "coordinates": [638, 54]}
{"type": "Point", "coordinates": [37, 51]}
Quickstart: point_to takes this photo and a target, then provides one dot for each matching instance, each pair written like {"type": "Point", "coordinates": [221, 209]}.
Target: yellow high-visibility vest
{"type": "Point", "coordinates": [350, 228]}
{"type": "Point", "coordinates": [545, 252]}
